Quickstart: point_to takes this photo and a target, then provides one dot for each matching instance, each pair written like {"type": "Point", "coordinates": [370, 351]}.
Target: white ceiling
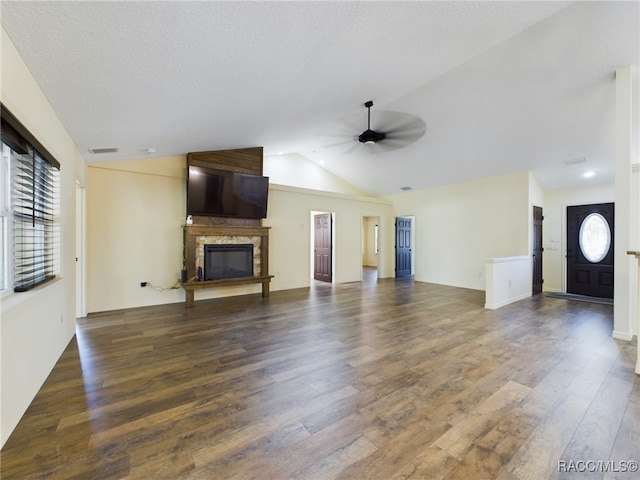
{"type": "Point", "coordinates": [501, 86]}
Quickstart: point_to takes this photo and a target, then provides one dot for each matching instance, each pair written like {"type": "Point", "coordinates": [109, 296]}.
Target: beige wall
{"type": "Point", "coordinates": [136, 210]}
{"type": "Point", "coordinates": [36, 326]}
{"type": "Point", "coordinates": [369, 257]}
{"type": "Point", "coordinates": [458, 226]}
{"type": "Point", "coordinates": [554, 228]}
{"type": "Point", "coordinates": [134, 232]}
{"type": "Point", "coordinates": [536, 199]}
{"type": "Point", "coordinates": [290, 239]}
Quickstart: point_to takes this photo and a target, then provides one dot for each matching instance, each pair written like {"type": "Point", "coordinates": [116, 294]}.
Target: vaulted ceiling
{"type": "Point", "coordinates": [500, 86]}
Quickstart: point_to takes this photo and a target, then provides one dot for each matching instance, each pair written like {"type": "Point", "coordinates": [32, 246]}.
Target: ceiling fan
{"type": "Point", "coordinates": [369, 136]}
{"type": "Point", "coordinates": [394, 130]}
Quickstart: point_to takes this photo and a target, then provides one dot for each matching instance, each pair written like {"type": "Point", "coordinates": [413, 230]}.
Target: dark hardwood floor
{"type": "Point", "coordinates": [384, 379]}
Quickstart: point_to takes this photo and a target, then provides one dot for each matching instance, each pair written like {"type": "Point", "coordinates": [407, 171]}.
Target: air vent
{"type": "Point", "coordinates": [405, 188]}
{"type": "Point", "coordinates": [103, 150]}
{"type": "Point", "coordinates": [575, 161]}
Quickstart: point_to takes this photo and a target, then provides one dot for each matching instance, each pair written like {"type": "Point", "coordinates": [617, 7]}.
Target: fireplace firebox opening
{"type": "Point", "coordinates": [228, 261]}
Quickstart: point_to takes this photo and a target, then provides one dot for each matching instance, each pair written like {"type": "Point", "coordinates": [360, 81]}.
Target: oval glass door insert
{"type": "Point", "coordinates": [595, 237]}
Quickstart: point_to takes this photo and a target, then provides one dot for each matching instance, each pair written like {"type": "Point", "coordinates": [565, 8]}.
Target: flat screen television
{"type": "Point", "coordinates": [223, 193]}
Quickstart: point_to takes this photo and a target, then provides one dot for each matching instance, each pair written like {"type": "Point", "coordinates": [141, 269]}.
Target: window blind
{"type": "Point", "coordinates": [35, 229]}
{"type": "Point", "coordinates": [35, 205]}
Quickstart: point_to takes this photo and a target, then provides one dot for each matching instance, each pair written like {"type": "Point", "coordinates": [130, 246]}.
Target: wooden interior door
{"type": "Point", "coordinates": [590, 268]}
{"type": "Point", "coordinates": [403, 247]}
{"type": "Point", "coordinates": [537, 250]}
{"type": "Point", "coordinates": [322, 248]}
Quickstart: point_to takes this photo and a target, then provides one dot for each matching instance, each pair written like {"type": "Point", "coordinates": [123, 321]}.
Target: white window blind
{"type": "Point", "coordinates": [34, 207]}
{"type": "Point", "coordinates": [35, 226]}
{"type": "Point", "coordinates": [5, 215]}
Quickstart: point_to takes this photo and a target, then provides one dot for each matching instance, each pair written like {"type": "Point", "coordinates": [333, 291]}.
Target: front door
{"type": "Point", "coordinates": [403, 247]}
{"type": "Point", "coordinates": [537, 250]}
{"type": "Point", "coordinates": [322, 247]}
{"type": "Point", "coordinates": [590, 250]}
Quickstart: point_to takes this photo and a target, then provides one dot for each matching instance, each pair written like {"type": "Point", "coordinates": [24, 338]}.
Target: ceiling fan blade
{"type": "Point", "coordinates": [407, 136]}
{"type": "Point", "coordinates": [384, 146]}
{"type": "Point", "coordinates": [394, 121]}
{"type": "Point", "coordinates": [385, 120]}
{"type": "Point", "coordinates": [338, 144]}
{"type": "Point", "coordinates": [355, 146]}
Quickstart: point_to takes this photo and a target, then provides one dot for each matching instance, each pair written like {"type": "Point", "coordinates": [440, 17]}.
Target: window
{"type": "Point", "coordinates": [595, 237]}
{"type": "Point", "coordinates": [5, 215]}
{"type": "Point", "coordinates": [375, 239]}
{"type": "Point", "coordinates": [30, 213]}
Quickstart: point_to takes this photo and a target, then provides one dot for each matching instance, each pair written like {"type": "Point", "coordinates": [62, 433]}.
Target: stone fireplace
{"type": "Point", "coordinates": [232, 246]}
{"type": "Point", "coordinates": [228, 261]}
{"type": "Point", "coordinates": [246, 249]}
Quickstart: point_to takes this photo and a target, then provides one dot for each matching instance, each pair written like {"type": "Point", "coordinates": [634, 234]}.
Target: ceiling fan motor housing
{"type": "Point", "coordinates": [369, 136]}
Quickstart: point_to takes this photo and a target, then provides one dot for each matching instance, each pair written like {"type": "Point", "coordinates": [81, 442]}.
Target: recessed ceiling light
{"type": "Point", "coordinates": [588, 174]}
{"type": "Point", "coordinates": [150, 150]}
{"type": "Point", "coordinates": [321, 162]}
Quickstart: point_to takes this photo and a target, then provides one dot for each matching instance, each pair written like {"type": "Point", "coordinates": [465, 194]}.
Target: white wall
{"type": "Point", "coordinates": [295, 170]}
{"type": "Point", "coordinates": [554, 229]}
{"type": "Point", "coordinates": [36, 326]}
{"type": "Point", "coordinates": [536, 199]}
{"type": "Point", "coordinates": [458, 226]}
{"type": "Point", "coordinates": [508, 280]}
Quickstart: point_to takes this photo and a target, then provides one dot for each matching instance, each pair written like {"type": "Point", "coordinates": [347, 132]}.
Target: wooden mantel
{"type": "Point", "coordinates": [191, 234]}
{"type": "Point", "coordinates": [245, 160]}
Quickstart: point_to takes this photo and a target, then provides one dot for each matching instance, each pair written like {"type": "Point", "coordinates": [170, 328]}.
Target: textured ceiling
{"type": "Point", "coordinates": [500, 86]}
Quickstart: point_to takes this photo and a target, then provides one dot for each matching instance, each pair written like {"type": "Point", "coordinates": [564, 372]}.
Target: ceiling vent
{"type": "Point", "coordinates": [405, 188]}
{"type": "Point", "coordinates": [575, 161]}
{"type": "Point", "coordinates": [104, 150]}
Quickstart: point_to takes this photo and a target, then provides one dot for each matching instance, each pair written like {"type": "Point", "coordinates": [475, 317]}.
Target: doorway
{"type": "Point", "coordinates": [404, 248]}
{"type": "Point", "coordinates": [323, 247]}
{"type": "Point", "coordinates": [370, 245]}
{"type": "Point", "coordinates": [81, 308]}
{"type": "Point", "coordinates": [537, 251]}
{"type": "Point", "coordinates": [590, 230]}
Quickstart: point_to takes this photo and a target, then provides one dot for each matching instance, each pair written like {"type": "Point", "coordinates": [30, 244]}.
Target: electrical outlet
{"type": "Point", "coordinates": [143, 284]}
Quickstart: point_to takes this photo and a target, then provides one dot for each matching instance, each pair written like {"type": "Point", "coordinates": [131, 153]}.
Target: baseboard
{"type": "Point", "coordinates": [553, 290]}
{"type": "Point", "coordinates": [493, 306]}
{"type": "Point", "coordinates": [622, 335]}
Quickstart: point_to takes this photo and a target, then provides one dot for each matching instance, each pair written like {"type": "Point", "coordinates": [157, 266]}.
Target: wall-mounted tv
{"type": "Point", "coordinates": [223, 193]}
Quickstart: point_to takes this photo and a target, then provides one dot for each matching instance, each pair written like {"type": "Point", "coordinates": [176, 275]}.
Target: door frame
{"type": "Point", "coordinates": [81, 249]}
{"type": "Point", "coordinates": [366, 236]}
{"type": "Point", "coordinates": [540, 237]}
{"type": "Point", "coordinates": [413, 243]}
{"type": "Point", "coordinates": [565, 234]}
{"type": "Point", "coordinates": [312, 215]}
{"type": "Point", "coordinates": [564, 241]}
